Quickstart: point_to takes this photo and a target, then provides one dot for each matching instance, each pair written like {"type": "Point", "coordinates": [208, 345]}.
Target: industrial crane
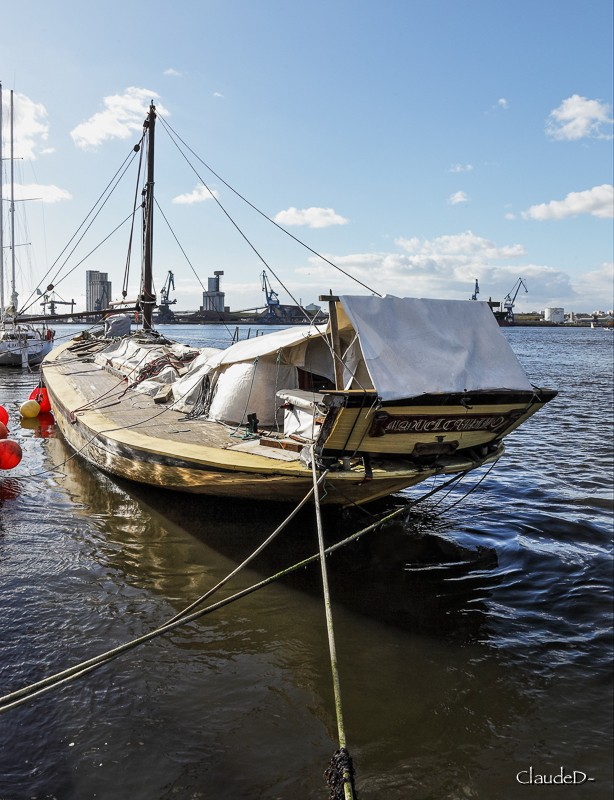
{"type": "Point", "coordinates": [52, 302]}
{"type": "Point", "coordinates": [271, 298]}
{"type": "Point", "coordinates": [165, 314]}
{"type": "Point", "coordinates": [510, 299]}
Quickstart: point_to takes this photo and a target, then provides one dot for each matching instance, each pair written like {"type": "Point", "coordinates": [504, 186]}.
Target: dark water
{"type": "Point", "coordinates": [474, 639]}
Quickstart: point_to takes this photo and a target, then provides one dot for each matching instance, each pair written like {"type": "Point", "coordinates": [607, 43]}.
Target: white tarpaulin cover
{"type": "Point", "coordinates": [415, 346]}
{"type": "Point", "coordinates": [249, 349]}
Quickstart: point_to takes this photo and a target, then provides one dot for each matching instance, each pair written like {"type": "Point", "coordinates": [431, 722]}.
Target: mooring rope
{"type": "Point", "coordinates": [255, 553]}
{"type": "Point", "coordinates": [20, 696]}
{"type": "Point", "coordinates": [346, 769]}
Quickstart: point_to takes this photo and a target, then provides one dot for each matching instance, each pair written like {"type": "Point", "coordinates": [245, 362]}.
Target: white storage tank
{"type": "Point", "coordinates": [556, 315]}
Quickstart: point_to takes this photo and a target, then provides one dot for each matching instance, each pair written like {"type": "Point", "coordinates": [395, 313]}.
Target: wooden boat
{"type": "Point", "coordinates": [391, 392]}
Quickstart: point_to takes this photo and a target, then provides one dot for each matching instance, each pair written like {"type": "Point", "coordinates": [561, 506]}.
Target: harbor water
{"type": "Point", "coordinates": [474, 634]}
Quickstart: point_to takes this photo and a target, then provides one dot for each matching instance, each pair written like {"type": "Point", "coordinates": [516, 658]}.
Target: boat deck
{"type": "Point", "coordinates": [127, 409]}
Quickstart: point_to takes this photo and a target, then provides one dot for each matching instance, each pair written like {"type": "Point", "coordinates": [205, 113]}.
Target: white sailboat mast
{"type": "Point", "coordinates": [1, 215]}
{"type": "Point", "coordinates": [12, 213]}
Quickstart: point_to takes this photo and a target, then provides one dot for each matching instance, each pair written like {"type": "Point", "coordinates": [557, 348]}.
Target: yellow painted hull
{"type": "Point", "coordinates": [126, 434]}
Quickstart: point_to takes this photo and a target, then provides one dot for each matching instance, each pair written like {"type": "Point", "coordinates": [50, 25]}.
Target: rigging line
{"type": "Point", "coordinates": [459, 479]}
{"type": "Point", "coordinates": [165, 124]}
{"type": "Point", "coordinates": [237, 228]}
{"type": "Point", "coordinates": [26, 693]}
{"type": "Point", "coordinates": [471, 490]}
{"type": "Point", "coordinates": [124, 166]}
{"type": "Point", "coordinates": [93, 250]}
{"type": "Point", "coordinates": [252, 556]}
{"type": "Point", "coordinates": [228, 331]}
{"type": "Point", "coordinates": [235, 225]}
{"type": "Point", "coordinates": [135, 205]}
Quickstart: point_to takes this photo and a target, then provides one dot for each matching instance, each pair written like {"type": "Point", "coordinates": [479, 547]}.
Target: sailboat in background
{"type": "Point", "coordinates": [21, 344]}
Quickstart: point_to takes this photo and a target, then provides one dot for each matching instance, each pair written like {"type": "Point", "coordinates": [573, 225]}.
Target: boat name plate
{"type": "Point", "coordinates": [384, 423]}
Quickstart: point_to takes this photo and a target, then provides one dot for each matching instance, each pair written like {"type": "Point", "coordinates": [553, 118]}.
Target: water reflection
{"type": "Point", "coordinates": [411, 573]}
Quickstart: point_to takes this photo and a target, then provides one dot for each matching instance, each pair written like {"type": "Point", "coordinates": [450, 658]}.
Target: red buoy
{"type": "Point", "coordinates": [4, 431]}
{"type": "Point", "coordinates": [4, 415]}
{"type": "Point", "coordinates": [41, 396]}
{"type": "Point", "coordinates": [10, 453]}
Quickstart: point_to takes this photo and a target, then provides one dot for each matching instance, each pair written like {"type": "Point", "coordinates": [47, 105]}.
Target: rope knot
{"type": "Point", "coordinates": [340, 772]}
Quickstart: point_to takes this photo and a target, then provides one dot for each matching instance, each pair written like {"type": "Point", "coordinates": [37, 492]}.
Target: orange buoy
{"type": "Point", "coordinates": [41, 396]}
{"type": "Point", "coordinates": [10, 453]}
{"type": "Point", "coordinates": [4, 415]}
{"type": "Point", "coordinates": [29, 409]}
{"type": "Point", "coordinates": [4, 431]}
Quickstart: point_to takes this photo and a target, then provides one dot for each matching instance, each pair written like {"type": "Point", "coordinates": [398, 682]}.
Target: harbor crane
{"type": "Point", "coordinates": [271, 298]}
{"type": "Point", "coordinates": [52, 302]}
{"type": "Point", "coordinates": [164, 313]}
{"type": "Point", "coordinates": [510, 299]}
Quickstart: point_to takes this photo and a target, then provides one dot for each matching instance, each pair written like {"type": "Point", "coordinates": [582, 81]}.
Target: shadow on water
{"type": "Point", "coordinates": [409, 572]}
{"type": "Point", "coordinates": [405, 573]}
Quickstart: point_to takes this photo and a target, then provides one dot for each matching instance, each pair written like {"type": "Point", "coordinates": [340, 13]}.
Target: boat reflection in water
{"type": "Point", "coordinates": [410, 573]}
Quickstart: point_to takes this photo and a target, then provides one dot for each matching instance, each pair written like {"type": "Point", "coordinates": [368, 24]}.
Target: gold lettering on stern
{"type": "Point", "coordinates": [384, 423]}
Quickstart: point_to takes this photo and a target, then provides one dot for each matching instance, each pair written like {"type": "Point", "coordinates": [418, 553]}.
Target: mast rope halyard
{"type": "Point", "coordinates": [340, 774]}
{"type": "Point", "coordinates": [256, 209]}
{"type": "Point", "coordinates": [91, 216]}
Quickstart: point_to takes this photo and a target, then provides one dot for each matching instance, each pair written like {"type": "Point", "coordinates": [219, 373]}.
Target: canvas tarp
{"type": "Point", "coordinates": [416, 346]}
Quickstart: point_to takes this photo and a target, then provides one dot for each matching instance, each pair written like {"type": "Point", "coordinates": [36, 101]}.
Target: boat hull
{"type": "Point", "coordinates": [14, 353]}
{"type": "Point", "coordinates": [125, 434]}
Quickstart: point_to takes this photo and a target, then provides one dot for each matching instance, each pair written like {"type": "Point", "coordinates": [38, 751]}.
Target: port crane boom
{"type": "Point", "coordinates": [510, 299]}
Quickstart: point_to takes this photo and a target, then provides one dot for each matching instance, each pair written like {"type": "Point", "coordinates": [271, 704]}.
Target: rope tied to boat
{"type": "Point", "coordinates": [347, 771]}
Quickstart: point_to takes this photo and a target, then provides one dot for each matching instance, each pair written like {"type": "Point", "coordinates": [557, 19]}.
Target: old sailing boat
{"type": "Point", "coordinates": [381, 399]}
{"type": "Point", "coordinates": [21, 344]}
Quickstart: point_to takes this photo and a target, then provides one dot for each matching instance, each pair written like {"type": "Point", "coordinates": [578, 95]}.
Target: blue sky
{"type": "Point", "coordinates": [416, 144]}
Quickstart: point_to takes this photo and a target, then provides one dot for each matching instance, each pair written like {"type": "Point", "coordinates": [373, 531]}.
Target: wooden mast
{"type": "Point", "coordinates": [334, 330]}
{"type": "Point", "coordinates": [148, 299]}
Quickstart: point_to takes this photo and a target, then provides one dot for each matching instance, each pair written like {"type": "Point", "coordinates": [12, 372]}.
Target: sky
{"type": "Point", "coordinates": [417, 145]}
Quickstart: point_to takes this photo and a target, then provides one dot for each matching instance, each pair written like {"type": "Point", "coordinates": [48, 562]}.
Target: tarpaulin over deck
{"type": "Point", "coordinates": [415, 346]}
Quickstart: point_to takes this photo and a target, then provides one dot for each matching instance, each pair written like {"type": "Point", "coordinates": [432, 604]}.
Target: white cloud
{"type": "Point", "coordinates": [577, 118]}
{"type": "Point", "coordinates": [447, 266]}
{"type": "Point", "coordinates": [598, 201]}
{"type": "Point", "coordinates": [199, 194]}
{"type": "Point", "coordinates": [174, 73]}
{"type": "Point", "coordinates": [218, 94]}
{"type": "Point", "coordinates": [458, 197]}
{"type": "Point", "coordinates": [502, 103]}
{"type": "Point", "coordinates": [461, 168]}
{"type": "Point", "coordinates": [122, 117]}
{"type": "Point", "coordinates": [48, 194]}
{"type": "Point", "coordinates": [460, 245]}
{"type": "Point", "coordinates": [311, 217]}
{"type": "Point", "coordinates": [597, 285]}
{"type": "Point", "coordinates": [30, 127]}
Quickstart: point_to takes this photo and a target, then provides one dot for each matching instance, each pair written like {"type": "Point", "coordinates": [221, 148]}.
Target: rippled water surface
{"type": "Point", "coordinates": [473, 638]}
